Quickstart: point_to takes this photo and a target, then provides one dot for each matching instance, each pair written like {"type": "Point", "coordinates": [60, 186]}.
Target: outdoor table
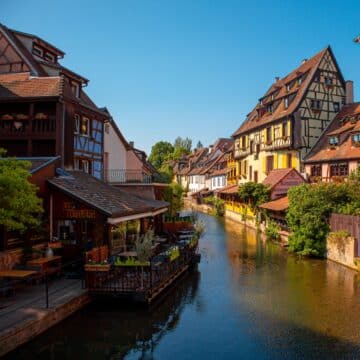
{"type": "Point", "coordinates": [47, 265]}
{"type": "Point", "coordinates": [19, 274]}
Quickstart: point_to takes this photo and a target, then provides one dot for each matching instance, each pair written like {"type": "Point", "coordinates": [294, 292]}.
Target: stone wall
{"type": "Point", "coordinates": [341, 250]}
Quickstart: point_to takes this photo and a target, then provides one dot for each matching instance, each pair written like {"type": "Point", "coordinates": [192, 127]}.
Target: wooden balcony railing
{"type": "Point", "coordinates": [25, 128]}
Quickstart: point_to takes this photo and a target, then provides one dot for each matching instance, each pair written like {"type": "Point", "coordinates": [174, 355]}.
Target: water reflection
{"type": "Point", "coordinates": [252, 301]}
{"type": "Point", "coordinates": [115, 331]}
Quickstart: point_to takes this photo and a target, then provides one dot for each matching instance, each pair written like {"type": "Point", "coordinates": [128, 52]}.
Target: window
{"type": "Point", "coordinates": [37, 51]}
{"type": "Point", "coordinates": [269, 163]}
{"type": "Point", "coordinates": [288, 87]}
{"type": "Point", "coordinates": [269, 108]}
{"type": "Point", "coordinates": [83, 165]}
{"type": "Point", "coordinates": [75, 89]}
{"type": "Point", "coordinates": [299, 81]}
{"type": "Point", "coordinates": [76, 124]}
{"type": "Point", "coordinates": [272, 96]}
{"type": "Point", "coordinates": [356, 138]}
{"type": "Point", "coordinates": [107, 128]}
{"type": "Point", "coordinates": [255, 176]}
{"type": "Point", "coordinates": [289, 161]}
{"type": "Point", "coordinates": [316, 170]}
{"type": "Point", "coordinates": [328, 80]}
{"type": "Point", "coordinates": [286, 102]}
{"type": "Point", "coordinates": [317, 78]}
{"type": "Point", "coordinates": [243, 142]}
{"type": "Point", "coordinates": [334, 140]}
{"type": "Point", "coordinates": [339, 169]}
{"type": "Point", "coordinates": [268, 135]}
{"type": "Point", "coordinates": [336, 106]}
{"type": "Point", "coordinates": [315, 104]}
{"type": "Point", "coordinates": [284, 129]}
{"type": "Point", "coordinates": [49, 57]}
{"type": "Point", "coordinates": [85, 126]}
{"type": "Point", "coordinates": [250, 173]}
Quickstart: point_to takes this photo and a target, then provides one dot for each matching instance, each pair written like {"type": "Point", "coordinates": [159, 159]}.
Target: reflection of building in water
{"type": "Point", "coordinates": [115, 330]}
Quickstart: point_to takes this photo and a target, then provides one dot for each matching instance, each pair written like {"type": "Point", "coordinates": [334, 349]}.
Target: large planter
{"type": "Point", "coordinates": [97, 267]}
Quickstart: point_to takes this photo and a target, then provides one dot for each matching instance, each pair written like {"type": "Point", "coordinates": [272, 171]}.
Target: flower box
{"type": "Point", "coordinates": [97, 267]}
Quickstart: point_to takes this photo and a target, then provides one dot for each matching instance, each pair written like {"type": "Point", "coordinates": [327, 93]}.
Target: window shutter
{"type": "Point", "coordinates": [289, 128]}
{"type": "Point", "coordinates": [264, 164]}
{"type": "Point", "coordinates": [284, 161]}
{"type": "Point", "coordinates": [275, 161]}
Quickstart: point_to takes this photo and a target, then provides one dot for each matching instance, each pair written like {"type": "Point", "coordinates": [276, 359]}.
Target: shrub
{"type": "Point", "coordinates": [272, 231]}
{"type": "Point", "coordinates": [254, 194]}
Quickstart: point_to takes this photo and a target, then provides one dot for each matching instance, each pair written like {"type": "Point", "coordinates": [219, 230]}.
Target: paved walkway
{"type": "Point", "coordinates": [29, 303]}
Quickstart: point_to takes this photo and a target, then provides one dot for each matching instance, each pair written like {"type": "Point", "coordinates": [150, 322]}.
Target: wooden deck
{"type": "Point", "coordinates": [138, 283]}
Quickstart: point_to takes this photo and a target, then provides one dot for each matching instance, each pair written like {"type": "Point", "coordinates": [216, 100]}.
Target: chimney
{"type": "Point", "coordinates": [304, 61]}
{"type": "Point", "coordinates": [277, 78]}
{"type": "Point", "coordinates": [131, 143]}
{"type": "Point", "coordinates": [349, 90]}
{"type": "Point", "coordinates": [210, 148]}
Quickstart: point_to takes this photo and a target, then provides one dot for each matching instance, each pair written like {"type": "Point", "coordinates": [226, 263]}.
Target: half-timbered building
{"type": "Point", "coordinates": [290, 117]}
{"type": "Point", "coordinates": [337, 153]}
{"type": "Point", "coordinates": [44, 110]}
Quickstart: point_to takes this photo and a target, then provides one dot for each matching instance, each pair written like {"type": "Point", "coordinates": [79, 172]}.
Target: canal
{"type": "Point", "coordinates": [247, 300]}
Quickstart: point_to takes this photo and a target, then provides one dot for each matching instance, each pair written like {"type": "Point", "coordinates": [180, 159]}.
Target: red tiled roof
{"type": "Point", "coordinates": [275, 176]}
{"type": "Point", "coordinates": [321, 152]}
{"type": "Point", "coordinates": [276, 205]}
{"type": "Point", "coordinates": [230, 189]}
{"type": "Point", "coordinates": [20, 85]}
{"type": "Point", "coordinates": [278, 89]}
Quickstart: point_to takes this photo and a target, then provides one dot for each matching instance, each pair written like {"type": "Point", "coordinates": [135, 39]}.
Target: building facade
{"type": "Point", "coordinates": [337, 153]}
{"type": "Point", "coordinates": [44, 110]}
{"type": "Point", "coordinates": [290, 117]}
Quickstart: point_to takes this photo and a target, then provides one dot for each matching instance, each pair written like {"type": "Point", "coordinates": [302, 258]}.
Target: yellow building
{"type": "Point", "coordinates": [289, 118]}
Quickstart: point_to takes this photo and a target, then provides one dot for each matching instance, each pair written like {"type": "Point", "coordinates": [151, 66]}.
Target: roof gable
{"type": "Point", "coordinates": [289, 87]}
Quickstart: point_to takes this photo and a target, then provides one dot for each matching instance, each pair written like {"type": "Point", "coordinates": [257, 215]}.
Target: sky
{"type": "Point", "coordinates": [189, 68]}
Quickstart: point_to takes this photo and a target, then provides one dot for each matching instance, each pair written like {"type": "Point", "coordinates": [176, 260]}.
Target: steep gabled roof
{"type": "Point", "coordinates": [276, 175]}
{"type": "Point", "coordinates": [259, 117]}
{"type": "Point", "coordinates": [344, 123]}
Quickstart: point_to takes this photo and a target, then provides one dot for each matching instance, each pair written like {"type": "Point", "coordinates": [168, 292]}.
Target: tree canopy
{"type": "Point", "coordinates": [160, 153]}
{"type": "Point", "coordinates": [254, 194]}
{"type": "Point", "coordinates": [19, 205]}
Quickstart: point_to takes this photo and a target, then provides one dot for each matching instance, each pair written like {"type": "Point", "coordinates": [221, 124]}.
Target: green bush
{"type": "Point", "coordinates": [272, 231]}
{"type": "Point", "coordinates": [254, 194]}
{"type": "Point", "coordinates": [219, 204]}
{"type": "Point", "coordinates": [309, 209]}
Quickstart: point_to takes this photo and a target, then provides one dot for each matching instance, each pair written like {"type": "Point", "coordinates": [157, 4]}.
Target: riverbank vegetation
{"type": "Point", "coordinates": [217, 203]}
{"type": "Point", "coordinates": [254, 194]}
{"type": "Point", "coordinates": [310, 207]}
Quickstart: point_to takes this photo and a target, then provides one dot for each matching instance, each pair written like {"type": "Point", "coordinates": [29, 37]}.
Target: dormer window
{"type": "Point", "coordinates": [272, 96]}
{"type": "Point", "coordinates": [328, 81]}
{"type": "Point", "coordinates": [334, 140]}
{"type": "Point", "coordinates": [299, 81]}
{"type": "Point", "coordinates": [37, 50]}
{"type": "Point", "coordinates": [286, 102]}
{"type": "Point", "coordinates": [356, 139]}
{"type": "Point", "coordinates": [49, 57]}
{"type": "Point", "coordinates": [75, 89]}
{"type": "Point", "coordinates": [269, 108]}
{"type": "Point", "coordinates": [288, 87]}
{"type": "Point", "coordinates": [316, 104]}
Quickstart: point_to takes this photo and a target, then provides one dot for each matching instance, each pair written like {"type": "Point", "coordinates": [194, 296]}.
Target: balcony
{"type": "Point", "coordinates": [123, 176]}
{"type": "Point", "coordinates": [241, 152]}
{"type": "Point", "coordinates": [37, 128]}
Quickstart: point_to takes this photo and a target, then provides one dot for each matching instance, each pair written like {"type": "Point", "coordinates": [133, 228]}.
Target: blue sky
{"type": "Point", "coordinates": [187, 68]}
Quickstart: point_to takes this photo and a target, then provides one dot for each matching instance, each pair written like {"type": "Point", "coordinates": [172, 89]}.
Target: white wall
{"type": "Point", "coordinates": [114, 149]}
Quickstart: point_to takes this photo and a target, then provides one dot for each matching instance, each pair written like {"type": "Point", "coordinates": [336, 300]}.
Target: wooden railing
{"type": "Point", "coordinates": [18, 128]}
{"type": "Point", "coordinates": [144, 280]}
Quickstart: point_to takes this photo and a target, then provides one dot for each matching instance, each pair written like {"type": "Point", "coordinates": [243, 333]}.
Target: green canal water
{"type": "Point", "coordinates": [247, 300]}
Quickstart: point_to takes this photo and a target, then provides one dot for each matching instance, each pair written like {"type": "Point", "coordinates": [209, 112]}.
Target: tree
{"type": "Point", "coordinates": [160, 153]}
{"type": "Point", "coordinates": [19, 205]}
{"type": "Point", "coordinates": [173, 194]}
{"type": "Point", "coordinates": [199, 145]}
{"type": "Point", "coordinates": [254, 194]}
{"type": "Point", "coordinates": [309, 209]}
{"type": "Point", "coordinates": [181, 146]}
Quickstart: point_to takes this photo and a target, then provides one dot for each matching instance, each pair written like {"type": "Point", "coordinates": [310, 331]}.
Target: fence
{"type": "Point", "coordinates": [349, 223]}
